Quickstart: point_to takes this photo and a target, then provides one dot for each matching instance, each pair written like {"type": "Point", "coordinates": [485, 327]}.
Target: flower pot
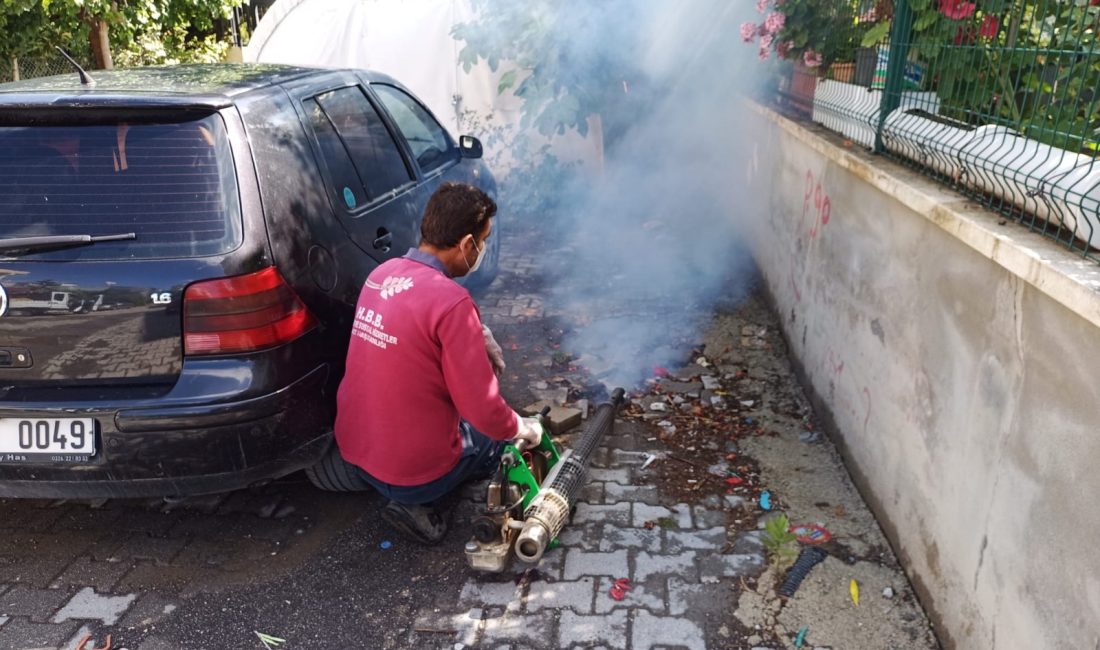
{"type": "Point", "coordinates": [803, 84]}
{"type": "Point", "coordinates": [866, 62]}
{"type": "Point", "coordinates": [843, 72]}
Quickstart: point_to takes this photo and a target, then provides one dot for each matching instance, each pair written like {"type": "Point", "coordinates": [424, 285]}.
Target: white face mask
{"type": "Point", "coordinates": [480, 256]}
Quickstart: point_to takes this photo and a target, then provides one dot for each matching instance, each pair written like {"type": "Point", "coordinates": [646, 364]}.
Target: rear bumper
{"type": "Point", "coordinates": [185, 450]}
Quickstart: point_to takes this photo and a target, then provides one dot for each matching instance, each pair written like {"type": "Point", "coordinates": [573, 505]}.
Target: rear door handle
{"type": "Point", "coordinates": [384, 240]}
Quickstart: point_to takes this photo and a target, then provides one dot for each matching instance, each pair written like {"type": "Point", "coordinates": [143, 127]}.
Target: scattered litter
{"type": "Point", "coordinates": [710, 382]}
{"type": "Point", "coordinates": [619, 588]}
{"type": "Point", "coordinates": [649, 458]}
{"type": "Point", "coordinates": [853, 589]}
{"type": "Point", "coordinates": [658, 406]}
{"type": "Point", "coordinates": [734, 480]}
{"type": "Point", "coordinates": [385, 545]}
{"type": "Point", "coordinates": [801, 638]}
{"type": "Point", "coordinates": [748, 402]}
{"type": "Point", "coordinates": [888, 592]}
{"type": "Point", "coordinates": [810, 557]}
{"type": "Point", "coordinates": [87, 637]}
{"type": "Point", "coordinates": [766, 500]}
{"type": "Point", "coordinates": [660, 372]}
{"type": "Point", "coordinates": [810, 437]}
{"type": "Point", "coordinates": [270, 642]}
{"type": "Point", "coordinates": [702, 361]}
{"type": "Point", "coordinates": [811, 533]}
{"type": "Point", "coordinates": [648, 525]}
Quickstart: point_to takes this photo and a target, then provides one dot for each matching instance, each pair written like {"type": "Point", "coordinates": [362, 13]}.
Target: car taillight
{"type": "Point", "coordinates": [242, 314]}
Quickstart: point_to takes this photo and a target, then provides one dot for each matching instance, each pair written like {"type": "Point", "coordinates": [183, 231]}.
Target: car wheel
{"type": "Point", "coordinates": [334, 474]}
{"type": "Point", "coordinates": [489, 269]}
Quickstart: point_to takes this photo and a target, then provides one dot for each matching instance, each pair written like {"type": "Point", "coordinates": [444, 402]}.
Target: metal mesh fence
{"type": "Point", "coordinates": [31, 68]}
{"type": "Point", "coordinates": [1000, 99]}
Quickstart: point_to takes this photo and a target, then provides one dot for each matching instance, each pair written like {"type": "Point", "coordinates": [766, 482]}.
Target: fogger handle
{"type": "Point", "coordinates": [521, 446]}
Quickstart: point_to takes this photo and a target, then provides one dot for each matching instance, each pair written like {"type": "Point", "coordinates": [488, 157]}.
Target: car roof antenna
{"type": "Point", "coordinates": [85, 78]}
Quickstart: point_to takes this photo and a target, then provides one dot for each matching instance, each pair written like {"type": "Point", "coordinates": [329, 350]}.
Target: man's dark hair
{"type": "Point", "coordinates": [454, 211]}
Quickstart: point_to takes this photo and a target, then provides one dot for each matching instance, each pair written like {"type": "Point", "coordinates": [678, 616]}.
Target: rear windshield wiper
{"type": "Point", "coordinates": [23, 245]}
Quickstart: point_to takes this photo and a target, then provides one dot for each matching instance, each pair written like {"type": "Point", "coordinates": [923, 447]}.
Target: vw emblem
{"type": "Point", "coordinates": [3, 301]}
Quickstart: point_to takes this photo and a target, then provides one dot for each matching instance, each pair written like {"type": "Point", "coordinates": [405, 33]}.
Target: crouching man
{"type": "Point", "coordinates": [419, 410]}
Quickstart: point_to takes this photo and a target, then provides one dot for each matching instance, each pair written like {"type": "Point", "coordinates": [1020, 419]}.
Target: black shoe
{"type": "Point", "coordinates": [421, 523]}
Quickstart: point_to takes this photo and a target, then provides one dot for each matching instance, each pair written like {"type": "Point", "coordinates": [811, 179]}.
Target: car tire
{"type": "Point", "coordinates": [334, 474]}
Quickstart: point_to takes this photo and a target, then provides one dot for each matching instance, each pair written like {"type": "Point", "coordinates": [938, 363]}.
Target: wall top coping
{"type": "Point", "coordinates": [1066, 277]}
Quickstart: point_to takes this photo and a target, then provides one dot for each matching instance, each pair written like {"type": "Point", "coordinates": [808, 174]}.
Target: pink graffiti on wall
{"type": "Point", "coordinates": [816, 204]}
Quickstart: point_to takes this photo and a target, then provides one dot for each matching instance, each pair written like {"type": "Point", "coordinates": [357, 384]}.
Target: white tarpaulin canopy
{"type": "Point", "coordinates": [409, 40]}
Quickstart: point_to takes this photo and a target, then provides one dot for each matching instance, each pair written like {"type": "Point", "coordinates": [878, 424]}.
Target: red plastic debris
{"type": "Point", "coordinates": [735, 480]}
{"type": "Point", "coordinates": [660, 372]}
{"type": "Point", "coordinates": [619, 588]}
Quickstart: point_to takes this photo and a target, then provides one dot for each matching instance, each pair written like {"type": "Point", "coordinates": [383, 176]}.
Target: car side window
{"type": "Point", "coordinates": [430, 144]}
{"type": "Point", "coordinates": [361, 155]}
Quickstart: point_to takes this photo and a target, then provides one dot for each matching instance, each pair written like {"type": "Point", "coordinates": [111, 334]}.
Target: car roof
{"type": "Point", "coordinates": [214, 85]}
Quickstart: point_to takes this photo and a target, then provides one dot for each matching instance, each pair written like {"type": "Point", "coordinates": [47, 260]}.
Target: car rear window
{"type": "Point", "coordinates": [171, 184]}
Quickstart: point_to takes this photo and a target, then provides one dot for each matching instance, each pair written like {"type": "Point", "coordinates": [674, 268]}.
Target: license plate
{"type": "Point", "coordinates": [56, 439]}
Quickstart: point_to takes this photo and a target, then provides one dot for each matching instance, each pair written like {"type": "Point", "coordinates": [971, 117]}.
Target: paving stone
{"type": "Point", "coordinates": [650, 630]}
{"type": "Point", "coordinates": [712, 538]}
{"type": "Point", "coordinates": [734, 502]}
{"type": "Point", "coordinates": [554, 595]}
{"type": "Point", "coordinates": [615, 493]}
{"type": "Point", "coordinates": [26, 635]}
{"type": "Point", "coordinates": [505, 594]}
{"type": "Point", "coordinates": [645, 512]}
{"type": "Point", "coordinates": [708, 518]}
{"type": "Point", "coordinates": [617, 514]}
{"type": "Point", "coordinates": [582, 563]}
{"type": "Point", "coordinates": [615, 538]}
{"type": "Point", "coordinates": [592, 492]}
{"type": "Point", "coordinates": [650, 595]}
{"type": "Point", "coordinates": [600, 459]}
{"type": "Point", "coordinates": [149, 609]}
{"type": "Point", "coordinates": [682, 564]}
{"type": "Point", "coordinates": [712, 567]}
{"type": "Point", "coordinates": [74, 641]}
{"type": "Point", "coordinates": [681, 387]}
{"type": "Point", "coordinates": [621, 476]}
{"type": "Point", "coordinates": [585, 538]}
{"type": "Point", "coordinates": [692, 597]}
{"type": "Point", "coordinates": [86, 572]}
{"type": "Point", "coordinates": [37, 604]}
{"type": "Point", "coordinates": [530, 631]}
{"type": "Point", "coordinates": [621, 459]}
{"type": "Point", "coordinates": [467, 625]}
{"type": "Point", "coordinates": [623, 443]}
{"type": "Point", "coordinates": [584, 630]}
{"type": "Point", "coordinates": [749, 543]}
{"type": "Point", "coordinates": [561, 418]}
{"type": "Point", "coordinates": [86, 604]}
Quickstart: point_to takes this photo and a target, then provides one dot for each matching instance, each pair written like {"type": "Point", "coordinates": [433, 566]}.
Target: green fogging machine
{"type": "Point", "coordinates": [532, 493]}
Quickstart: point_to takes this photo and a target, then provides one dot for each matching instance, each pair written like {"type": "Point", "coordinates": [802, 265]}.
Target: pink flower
{"type": "Point", "coordinates": [774, 22]}
{"type": "Point", "coordinates": [957, 9]}
{"type": "Point", "coordinates": [748, 32]}
{"type": "Point", "coordinates": [989, 27]}
{"type": "Point", "coordinates": [761, 6]}
{"type": "Point", "coordinates": [869, 16]}
{"type": "Point", "coordinates": [764, 53]}
{"type": "Point", "coordinates": [766, 41]}
{"type": "Point", "coordinates": [811, 59]}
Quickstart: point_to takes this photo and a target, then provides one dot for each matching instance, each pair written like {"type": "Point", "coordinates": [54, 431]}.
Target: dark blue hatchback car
{"type": "Point", "coordinates": [181, 249]}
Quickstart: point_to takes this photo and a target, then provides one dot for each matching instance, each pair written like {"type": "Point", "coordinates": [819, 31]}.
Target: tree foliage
{"type": "Point", "coordinates": [131, 32]}
{"type": "Point", "coordinates": [573, 59]}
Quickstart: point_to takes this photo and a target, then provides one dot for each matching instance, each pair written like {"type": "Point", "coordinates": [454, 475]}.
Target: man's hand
{"type": "Point", "coordinates": [530, 430]}
{"type": "Point", "coordinates": [496, 355]}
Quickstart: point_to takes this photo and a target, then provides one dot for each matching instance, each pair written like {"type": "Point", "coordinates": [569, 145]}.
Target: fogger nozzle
{"type": "Point", "coordinates": [546, 515]}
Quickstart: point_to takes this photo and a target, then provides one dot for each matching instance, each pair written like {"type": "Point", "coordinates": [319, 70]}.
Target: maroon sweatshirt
{"type": "Point", "coordinates": [416, 364]}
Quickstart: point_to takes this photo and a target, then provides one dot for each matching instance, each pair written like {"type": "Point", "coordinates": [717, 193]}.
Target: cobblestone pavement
{"type": "Point", "coordinates": [319, 570]}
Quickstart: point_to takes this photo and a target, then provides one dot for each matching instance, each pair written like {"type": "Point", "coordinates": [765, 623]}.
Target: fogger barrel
{"type": "Point", "coordinates": [546, 515]}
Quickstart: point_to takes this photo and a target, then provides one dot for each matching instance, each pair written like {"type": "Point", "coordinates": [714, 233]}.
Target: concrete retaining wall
{"type": "Point", "coordinates": [957, 357]}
